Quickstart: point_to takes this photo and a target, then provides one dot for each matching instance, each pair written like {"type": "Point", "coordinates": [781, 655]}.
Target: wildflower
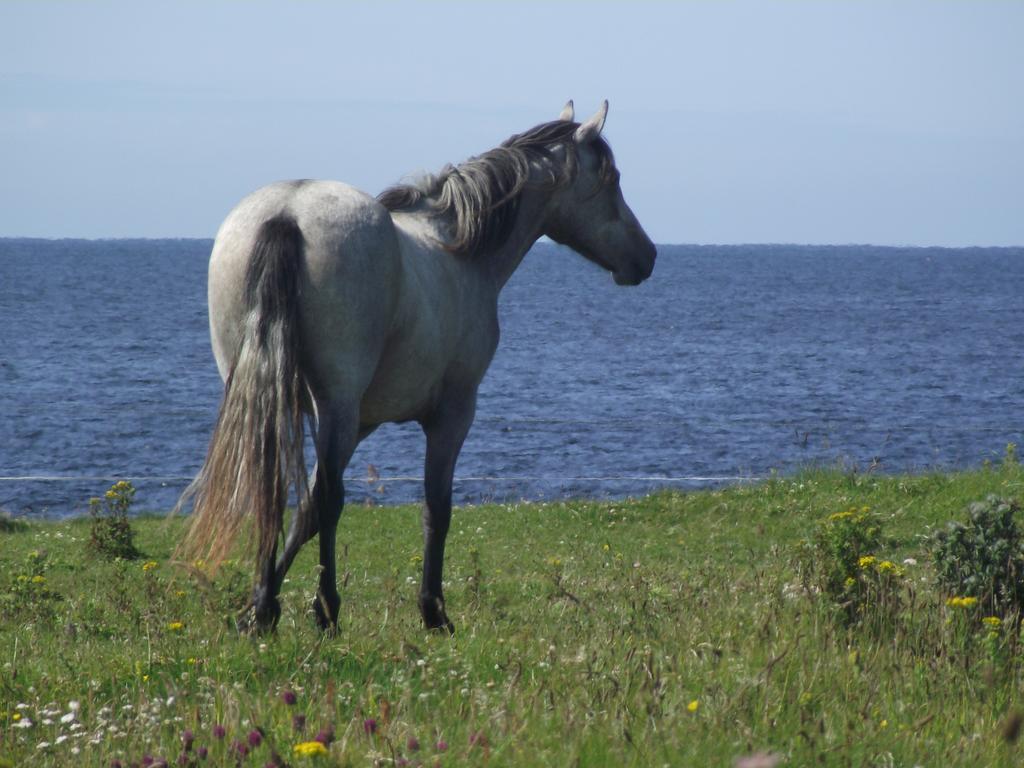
{"type": "Point", "coordinates": [187, 737]}
{"type": "Point", "coordinates": [992, 621]}
{"type": "Point", "coordinates": [16, 716]}
{"type": "Point", "coordinates": [149, 565]}
{"type": "Point", "coordinates": [176, 626]}
{"type": "Point", "coordinates": [202, 752]}
{"type": "Point", "coordinates": [219, 732]}
{"type": "Point", "coordinates": [326, 736]}
{"type": "Point", "coordinates": [370, 726]}
{"type": "Point", "coordinates": [68, 718]}
{"type": "Point", "coordinates": [442, 745]}
{"type": "Point", "coordinates": [478, 739]}
{"type": "Point", "coordinates": [554, 562]}
{"type": "Point", "coordinates": [850, 581]}
{"type": "Point", "coordinates": [23, 722]}
{"type": "Point", "coordinates": [693, 706]}
{"type": "Point", "coordinates": [888, 566]}
{"type": "Point", "coordinates": [839, 516]}
{"type": "Point", "coordinates": [37, 579]}
{"type": "Point", "coordinates": [298, 722]}
{"type": "Point", "coordinates": [310, 749]}
{"type": "Point", "coordinates": [180, 593]}
{"type": "Point", "coordinates": [289, 698]}
{"type": "Point", "coordinates": [961, 602]}
{"type": "Point", "coordinates": [866, 561]}
{"type": "Point", "coordinates": [255, 738]}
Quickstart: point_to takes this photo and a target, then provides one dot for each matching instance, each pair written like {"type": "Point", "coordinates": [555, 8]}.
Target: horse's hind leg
{"type": "Point", "coordinates": [337, 437]}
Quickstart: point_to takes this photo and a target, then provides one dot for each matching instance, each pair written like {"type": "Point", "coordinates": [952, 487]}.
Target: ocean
{"type": "Point", "coordinates": [731, 363]}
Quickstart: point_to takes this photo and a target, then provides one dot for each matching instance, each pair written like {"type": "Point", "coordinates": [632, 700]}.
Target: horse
{"type": "Point", "coordinates": [335, 312]}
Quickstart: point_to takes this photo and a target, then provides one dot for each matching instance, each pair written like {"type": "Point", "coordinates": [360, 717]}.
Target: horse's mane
{"type": "Point", "coordinates": [480, 197]}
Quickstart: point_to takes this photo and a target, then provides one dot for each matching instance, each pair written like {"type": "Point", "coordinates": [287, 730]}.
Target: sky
{"type": "Point", "coordinates": [798, 121]}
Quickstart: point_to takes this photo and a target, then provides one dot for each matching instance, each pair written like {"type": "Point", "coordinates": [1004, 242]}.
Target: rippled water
{"type": "Point", "coordinates": [728, 362]}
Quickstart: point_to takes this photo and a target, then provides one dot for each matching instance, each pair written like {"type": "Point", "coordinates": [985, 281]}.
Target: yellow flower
{"type": "Point", "coordinates": [310, 749]}
{"type": "Point", "coordinates": [176, 626]}
{"type": "Point", "coordinates": [888, 566]}
{"type": "Point", "coordinates": [961, 602]}
{"type": "Point", "coordinates": [605, 547]}
{"type": "Point", "coordinates": [38, 579]}
{"type": "Point", "coordinates": [16, 716]}
{"type": "Point", "coordinates": [839, 516]}
{"type": "Point", "coordinates": [692, 706]}
{"type": "Point", "coordinates": [149, 566]}
{"type": "Point", "coordinates": [992, 621]}
{"type": "Point", "coordinates": [554, 562]}
{"type": "Point", "coordinates": [867, 561]}
{"type": "Point", "coordinates": [884, 724]}
{"type": "Point", "coordinates": [850, 581]}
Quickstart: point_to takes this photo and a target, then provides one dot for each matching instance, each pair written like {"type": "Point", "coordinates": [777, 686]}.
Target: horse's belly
{"type": "Point", "coordinates": [400, 395]}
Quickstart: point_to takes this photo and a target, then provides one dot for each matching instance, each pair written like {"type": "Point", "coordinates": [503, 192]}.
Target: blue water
{"type": "Point", "coordinates": [729, 362]}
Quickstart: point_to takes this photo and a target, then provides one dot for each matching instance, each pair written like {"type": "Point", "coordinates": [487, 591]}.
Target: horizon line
{"type": "Point", "coordinates": [743, 244]}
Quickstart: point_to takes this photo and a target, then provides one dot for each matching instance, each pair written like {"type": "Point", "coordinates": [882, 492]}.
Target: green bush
{"type": "Point", "coordinates": [984, 557]}
{"type": "Point", "coordinates": [840, 564]}
{"type": "Point", "coordinates": [111, 534]}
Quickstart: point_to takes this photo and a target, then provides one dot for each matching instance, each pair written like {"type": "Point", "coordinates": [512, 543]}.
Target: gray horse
{"type": "Point", "coordinates": [348, 311]}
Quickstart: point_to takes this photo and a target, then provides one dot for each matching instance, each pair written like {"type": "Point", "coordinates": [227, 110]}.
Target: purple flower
{"type": "Point", "coordinates": [412, 744]}
{"type": "Point", "coordinates": [116, 764]}
{"type": "Point", "coordinates": [255, 738]}
{"type": "Point", "coordinates": [289, 698]}
{"type": "Point", "coordinates": [298, 722]}
{"type": "Point", "coordinates": [147, 760]}
{"type": "Point", "coordinates": [219, 732]}
{"type": "Point", "coordinates": [201, 753]}
{"type": "Point", "coordinates": [240, 748]}
{"type": "Point", "coordinates": [478, 739]}
{"type": "Point", "coordinates": [370, 726]}
{"type": "Point", "coordinates": [442, 745]}
{"type": "Point", "coordinates": [187, 737]}
{"type": "Point", "coordinates": [326, 736]}
{"type": "Point", "coordinates": [183, 758]}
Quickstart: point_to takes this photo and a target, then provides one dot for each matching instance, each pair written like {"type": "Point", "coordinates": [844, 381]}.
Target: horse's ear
{"type": "Point", "coordinates": [568, 113]}
{"type": "Point", "coordinates": [591, 129]}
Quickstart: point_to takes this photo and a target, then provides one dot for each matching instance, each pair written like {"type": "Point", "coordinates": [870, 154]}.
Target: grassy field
{"type": "Point", "coordinates": [675, 630]}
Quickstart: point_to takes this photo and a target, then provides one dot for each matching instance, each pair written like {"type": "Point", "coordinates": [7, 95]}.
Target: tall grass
{"type": "Point", "coordinates": [677, 629]}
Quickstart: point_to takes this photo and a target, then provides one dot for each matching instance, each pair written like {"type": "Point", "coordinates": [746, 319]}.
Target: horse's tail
{"type": "Point", "coordinates": [256, 452]}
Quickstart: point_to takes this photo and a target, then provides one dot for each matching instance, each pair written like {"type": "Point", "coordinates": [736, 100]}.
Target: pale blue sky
{"type": "Point", "coordinates": [811, 122]}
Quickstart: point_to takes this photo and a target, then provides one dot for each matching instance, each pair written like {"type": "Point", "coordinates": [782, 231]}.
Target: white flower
{"type": "Point", "coordinates": [75, 750]}
{"type": "Point", "coordinates": [60, 739]}
{"type": "Point", "coordinates": [74, 706]}
{"type": "Point", "coordinates": [910, 561]}
{"type": "Point", "coordinates": [43, 745]}
{"type": "Point", "coordinates": [68, 718]}
{"type": "Point", "coordinates": [23, 723]}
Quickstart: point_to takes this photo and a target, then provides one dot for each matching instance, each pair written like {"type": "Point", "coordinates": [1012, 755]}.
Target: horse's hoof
{"type": "Point", "coordinates": [258, 621]}
{"type": "Point", "coordinates": [434, 616]}
{"type": "Point", "coordinates": [326, 618]}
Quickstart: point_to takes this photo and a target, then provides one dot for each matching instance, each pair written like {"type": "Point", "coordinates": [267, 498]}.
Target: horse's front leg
{"type": "Point", "coordinates": [446, 430]}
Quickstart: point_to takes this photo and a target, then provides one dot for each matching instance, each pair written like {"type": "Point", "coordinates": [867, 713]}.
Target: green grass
{"type": "Point", "coordinates": [586, 632]}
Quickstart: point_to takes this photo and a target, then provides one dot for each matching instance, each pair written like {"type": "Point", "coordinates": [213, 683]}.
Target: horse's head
{"type": "Point", "coordinates": [589, 213]}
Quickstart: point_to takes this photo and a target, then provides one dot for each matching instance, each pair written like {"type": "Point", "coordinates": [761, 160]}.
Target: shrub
{"type": "Point", "coordinates": [984, 557]}
{"type": "Point", "coordinates": [111, 534]}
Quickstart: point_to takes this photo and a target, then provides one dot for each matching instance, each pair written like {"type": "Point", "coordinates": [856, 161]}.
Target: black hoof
{"type": "Point", "coordinates": [326, 612]}
{"type": "Point", "coordinates": [434, 616]}
{"type": "Point", "coordinates": [259, 620]}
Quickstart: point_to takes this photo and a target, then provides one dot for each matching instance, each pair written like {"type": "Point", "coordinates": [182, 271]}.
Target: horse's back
{"type": "Point", "coordinates": [348, 282]}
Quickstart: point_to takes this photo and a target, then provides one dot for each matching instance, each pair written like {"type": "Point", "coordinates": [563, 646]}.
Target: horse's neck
{"type": "Point", "coordinates": [506, 258]}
